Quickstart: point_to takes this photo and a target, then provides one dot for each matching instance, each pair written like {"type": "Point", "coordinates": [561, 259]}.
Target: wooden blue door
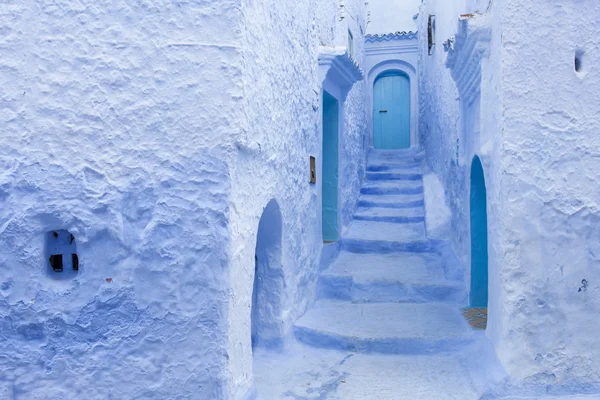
{"type": "Point", "coordinates": [391, 111]}
{"type": "Point", "coordinates": [330, 167]}
{"type": "Point", "coordinates": [479, 237]}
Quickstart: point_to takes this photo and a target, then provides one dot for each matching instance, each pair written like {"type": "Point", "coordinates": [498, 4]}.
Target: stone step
{"type": "Point", "coordinates": [394, 176]}
{"type": "Point", "coordinates": [394, 215]}
{"type": "Point", "coordinates": [392, 156]}
{"type": "Point", "coordinates": [386, 231]}
{"type": "Point", "coordinates": [386, 237]}
{"type": "Point", "coordinates": [392, 187]}
{"type": "Point", "coordinates": [373, 278]}
{"type": "Point", "coordinates": [391, 201]}
{"type": "Point", "coordinates": [399, 168]}
{"type": "Point", "coordinates": [397, 328]}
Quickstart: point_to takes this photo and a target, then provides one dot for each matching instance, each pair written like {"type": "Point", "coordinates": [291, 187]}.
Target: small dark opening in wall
{"type": "Point", "coordinates": [579, 60]}
{"type": "Point", "coordinates": [430, 34]}
{"type": "Point", "coordinates": [61, 253]}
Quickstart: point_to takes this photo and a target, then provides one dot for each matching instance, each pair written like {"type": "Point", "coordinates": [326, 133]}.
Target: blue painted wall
{"type": "Point", "coordinates": [479, 237]}
{"type": "Point", "coordinates": [391, 111]}
{"type": "Point", "coordinates": [330, 167]}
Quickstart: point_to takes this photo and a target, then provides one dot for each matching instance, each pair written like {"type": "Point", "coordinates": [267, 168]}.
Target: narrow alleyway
{"type": "Point", "coordinates": [387, 322]}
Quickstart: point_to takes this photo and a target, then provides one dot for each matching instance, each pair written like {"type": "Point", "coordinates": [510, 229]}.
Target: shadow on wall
{"type": "Point", "coordinates": [479, 236]}
{"type": "Point", "coordinates": [269, 282]}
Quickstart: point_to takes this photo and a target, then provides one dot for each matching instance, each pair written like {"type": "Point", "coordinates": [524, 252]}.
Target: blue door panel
{"type": "Point", "coordinates": [330, 167]}
{"type": "Point", "coordinates": [391, 111]}
{"type": "Point", "coordinates": [479, 237]}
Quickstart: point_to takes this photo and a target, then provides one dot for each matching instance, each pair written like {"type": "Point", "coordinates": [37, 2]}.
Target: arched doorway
{"type": "Point", "coordinates": [391, 111]}
{"type": "Point", "coordinates": [268, 277]}
{"type": "Point", "coordinates": [479, 237]}
{"type": "Point", "coordinates": [330, 167]}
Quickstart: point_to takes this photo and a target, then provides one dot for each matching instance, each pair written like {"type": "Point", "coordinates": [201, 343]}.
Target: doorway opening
{"type": "Point", "coordinates": [330, 167]}
{"type": "Point", "coordinates": [391, 111]}
{"type": "Point", "coordinates": [479, 237]}
{"type": "Point", "coordinates": [268, 286]}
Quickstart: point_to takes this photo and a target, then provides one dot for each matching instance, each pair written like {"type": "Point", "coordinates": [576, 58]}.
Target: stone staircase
{"type": "Point", "coordinates": [388, 290]}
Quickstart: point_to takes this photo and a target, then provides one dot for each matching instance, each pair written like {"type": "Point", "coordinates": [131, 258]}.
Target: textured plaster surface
{"type": "Point", "coordinates": [107, 132]}
{"type": "Point", "coordinates": [533, 126]}
{"type": "Point", "coordinates": [550, 162]}
{"type": "Point", "coordinates": [157, 134]}
{"type": "Point", "coordinates": [282, 129]}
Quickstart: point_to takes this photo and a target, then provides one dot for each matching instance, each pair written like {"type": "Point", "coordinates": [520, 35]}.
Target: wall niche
{"type": "Point", "coordinates": [61, 254]}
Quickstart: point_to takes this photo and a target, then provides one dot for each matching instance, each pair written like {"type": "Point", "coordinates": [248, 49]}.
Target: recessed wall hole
{"type": "Point", "coordinates": [579, 60]}
{"type": "Point", "coordinates": [61, 253]}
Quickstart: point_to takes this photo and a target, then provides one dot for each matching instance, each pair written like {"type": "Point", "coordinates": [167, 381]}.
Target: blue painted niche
{"type": "Point", "coordinates": [268, 285]}
{"type": "Point", "coordinates": [479, 236]}
{"type": "Point", "coordinates": [330, 167]}
{"type": "Point", "coordinates": [62, 260]}
{"type": "Point", "coordinates": [391, 111]}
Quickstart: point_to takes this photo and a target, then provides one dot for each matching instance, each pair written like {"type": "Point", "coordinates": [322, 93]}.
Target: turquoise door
{"type": "Point", "coordinates": [330, 167]}
{"type": "Point", "coordinates": [391, 111]}
{"type": "Point", "coordinates": [479, 237]}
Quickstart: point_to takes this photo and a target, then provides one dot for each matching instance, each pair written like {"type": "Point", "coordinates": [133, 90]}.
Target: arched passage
{"type": "Point", "coordinates": [479, 237]}
{"type": "Point", "coordinates": [391, 111]}
{"type": "Point", "coordinates": [268, 277]}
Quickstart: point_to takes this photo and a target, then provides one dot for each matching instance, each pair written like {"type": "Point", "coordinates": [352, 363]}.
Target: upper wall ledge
{"type": "Point", "coordinates": [391, 36]}
{"type": "Point", "coordinates": [336, 64]}
{"type": "Point", "coordinates": [471, 41]}
{"type": "Point", "coordinates": [465, 52]}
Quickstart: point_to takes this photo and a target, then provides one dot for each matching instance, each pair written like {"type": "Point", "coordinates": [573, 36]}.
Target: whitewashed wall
{"type": "Point", "coordinates": [157, 135]}
{"type": "Point", "coordinates": [551, 191]}
{"type": "Point", "coordinates": [282, 105]}
{"type": "Point", "coordinates": [533, 127]}
{"type": "Point", "coordinates": [117, 121]}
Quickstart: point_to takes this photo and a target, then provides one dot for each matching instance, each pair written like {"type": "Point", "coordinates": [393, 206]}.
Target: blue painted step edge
{"type": "Point", "coordinates": [410, 204]}
{"type": "Point", "coordinates": [395, 220]}
{"type": "Point", "coordinates": [377, 190]}
{"type": "Point", "coordinates": [380, 168]}
{"type": "Point", "coordinates": [387, 346]}
{"type": "Point", "coordinates": [344, 288]}
{"type": "Point", "coordinates": [391, 176]}
{"type": "Point", "coordinates": [386, 247]}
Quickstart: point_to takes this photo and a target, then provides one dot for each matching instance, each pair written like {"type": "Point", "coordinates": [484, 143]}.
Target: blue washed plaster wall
{"type": "Point", "coordinates": [282, 117]}
{"type": "Point", "coordinates": [107, 132]}
{"type": "Point", "coordinates": [550, 163]}
{"type": "Point", "coordinates": [531, 124]}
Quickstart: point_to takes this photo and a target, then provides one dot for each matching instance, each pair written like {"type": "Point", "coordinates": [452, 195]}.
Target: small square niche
{"type": "Point", "coordinates": [62, 260]}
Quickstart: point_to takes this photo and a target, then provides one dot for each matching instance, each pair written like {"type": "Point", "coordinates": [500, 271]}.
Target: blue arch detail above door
{"type": "Point", "coordinates": [479, 237]}
{"type": "Point", "coordinates": [391, 111]}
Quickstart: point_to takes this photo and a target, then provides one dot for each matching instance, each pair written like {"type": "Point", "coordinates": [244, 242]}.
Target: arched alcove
{"type": "Point", "coordinates": [479, 237]}
{"type": "Point", "coordinates": [268, 286]}
{"type": "Point", "coordinates": [391, 110]}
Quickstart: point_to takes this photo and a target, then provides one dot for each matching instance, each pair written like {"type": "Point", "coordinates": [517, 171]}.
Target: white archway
{"type": "Point", "coordinates": [411, 72]}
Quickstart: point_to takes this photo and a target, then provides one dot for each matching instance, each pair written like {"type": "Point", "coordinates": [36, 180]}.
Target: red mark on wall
{"type": "Point", "coordinates": [109, 280]}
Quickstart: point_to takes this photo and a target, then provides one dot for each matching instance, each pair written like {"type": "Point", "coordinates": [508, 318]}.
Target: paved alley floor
{"type": "Point", "coordinates": [302, 372]}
